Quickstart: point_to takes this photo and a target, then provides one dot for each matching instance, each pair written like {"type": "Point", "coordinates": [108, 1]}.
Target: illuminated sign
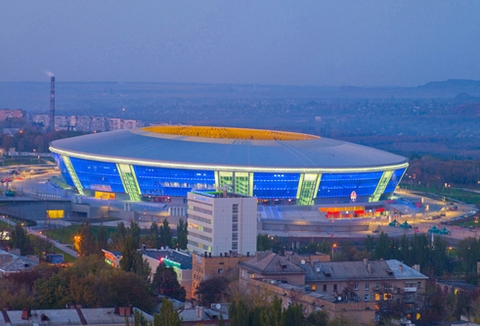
{"type": "Point", "coordinates": [55, 213]}
{"type": "Point", "coordinates": [104, 195]}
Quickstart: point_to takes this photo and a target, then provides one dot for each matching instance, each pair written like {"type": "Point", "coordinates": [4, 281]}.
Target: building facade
{"type": "Point", "coordinates": [387, 284]}
{"type": "Point", "coordinates": [273, 166]}
{"type": "Point", "coordinates": [205, 267]}
{"type": "Point", "coordinates": [221, 223]}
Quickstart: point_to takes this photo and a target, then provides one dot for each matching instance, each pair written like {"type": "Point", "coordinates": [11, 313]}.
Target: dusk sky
{"type": "Point", "coordinates": [307, 42]}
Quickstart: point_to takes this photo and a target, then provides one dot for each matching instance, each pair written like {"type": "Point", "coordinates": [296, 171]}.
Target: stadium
{"type": "Point", "coordinates": [159, 162]}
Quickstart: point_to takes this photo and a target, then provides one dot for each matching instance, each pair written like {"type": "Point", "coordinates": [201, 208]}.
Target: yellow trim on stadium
{"type": "Point", "coordinates": [228, 133]}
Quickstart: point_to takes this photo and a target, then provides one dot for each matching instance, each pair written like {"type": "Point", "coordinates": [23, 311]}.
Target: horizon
{"type": "Point", "coordinates": [47, 80]}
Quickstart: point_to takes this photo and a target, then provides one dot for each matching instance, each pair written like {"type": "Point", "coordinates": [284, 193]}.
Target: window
{"type": "Point", "coordinates": [334, 287]}
{"type": "Point", "coordinates": [377, 296]}
{"type": "Point", "coordinates": [377, 286]}
{"type": "Point", "coordinates": [367, 297]}
{"type": "Point", "coordinates": [356, 286]}
{"type": "Point", "coordinates": [367, 286]}
{"type": "Point", "coordinates": [314, 287]}
{"type": "Point", "coordinates": [324, 288]}
{"type": "Point", "coordinates": [220, 271]}
{"type": "Point", "coordinates": [234, 227]}
{"type": "Point", "coordinates": [419, 285]}
{"type": "Point", "coordinates": [387, 296]}
{"type": "Point", "coordinates": [234, 245]}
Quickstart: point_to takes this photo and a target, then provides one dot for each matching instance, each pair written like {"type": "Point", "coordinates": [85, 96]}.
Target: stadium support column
{"type": "Point", "coordinates": [307, 188]}
{"type": "Point", "coordinates": [129, 181]}
{"type": "Point", "coordinates": [382, 185]}
{"type": "Point", "coordinates": [237, 182]}
{"type": "Point", "coordinates": [73, 174]}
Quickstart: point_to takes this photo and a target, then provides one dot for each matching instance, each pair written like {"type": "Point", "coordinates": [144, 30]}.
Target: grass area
{"type": "Point", "coordinates": [65, 235]}
{"type": "Point", "coordinates": [30, 160]}
{"type": "Point", "coordinates": [4, 225]}
{"type": "Point", "coordinates": [66, 257]}
{"type": "Point", "coordinates": [449, 193]}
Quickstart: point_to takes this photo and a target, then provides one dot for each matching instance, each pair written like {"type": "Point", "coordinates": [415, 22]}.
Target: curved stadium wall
{"type": "Point", "coordinates": [270, 165]}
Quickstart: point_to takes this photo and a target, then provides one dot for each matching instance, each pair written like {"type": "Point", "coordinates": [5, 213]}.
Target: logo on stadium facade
{"type": "Point", "coordinates": [353, 196]}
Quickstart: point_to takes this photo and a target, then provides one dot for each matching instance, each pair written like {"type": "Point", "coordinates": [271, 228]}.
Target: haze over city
{"type": "Point", "coordinates": [337, 43]}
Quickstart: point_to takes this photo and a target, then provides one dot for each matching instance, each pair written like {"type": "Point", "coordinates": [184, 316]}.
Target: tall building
{"type": "Point", "coordinates": [221, 223]}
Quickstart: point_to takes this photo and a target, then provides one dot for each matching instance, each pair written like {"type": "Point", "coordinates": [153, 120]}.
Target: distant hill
{"type": "Point", "coordinates": [35, 96]}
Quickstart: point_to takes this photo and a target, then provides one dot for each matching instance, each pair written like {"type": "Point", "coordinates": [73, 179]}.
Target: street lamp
{"type": "Point", "coordinates": [77, 239]}
{"type": "Point", "coordinates": [333, 249]}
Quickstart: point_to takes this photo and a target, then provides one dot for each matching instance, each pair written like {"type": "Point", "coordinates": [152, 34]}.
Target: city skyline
{"type": "Point", "coordinates": [368, 43]}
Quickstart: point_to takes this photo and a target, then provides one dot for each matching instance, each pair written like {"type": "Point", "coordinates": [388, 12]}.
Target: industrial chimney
{"type": "Point", "coordinates": [52, 104]}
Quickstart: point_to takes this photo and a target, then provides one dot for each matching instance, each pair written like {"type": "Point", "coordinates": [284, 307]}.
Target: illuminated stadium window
{"type": "Point", "coordinates": [394, 181]}
{"type": "Point", "coordinates": [63, 169]}
{"type": "Point", "coordinates": [336, 185]}
{"type": "Point", "coordinates": [275, 185]}
{"type": "Point", "coordinates": [95, 175]}
{"type": "Point", "coordinates": [172, 182]}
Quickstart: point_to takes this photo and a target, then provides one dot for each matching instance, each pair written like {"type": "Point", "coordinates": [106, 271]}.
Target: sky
{"type": "Point", "coordinates": [280, 42]}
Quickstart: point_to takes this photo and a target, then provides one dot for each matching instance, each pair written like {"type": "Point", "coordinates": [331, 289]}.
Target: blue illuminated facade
{"type": "Point", "coordinates": [170, 161]}
{"type": "Point", "coordinates": [172, 182]}
{"type": "Point", "coordinates": [156, 181]}
{"type": "Point", "coordinates": [275, 185]}
{"type": "Point", "coordinates": [338, 185]}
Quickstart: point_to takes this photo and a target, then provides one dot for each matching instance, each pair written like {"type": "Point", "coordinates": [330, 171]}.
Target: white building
{"type": "Point", "coordinates": [221, 222]}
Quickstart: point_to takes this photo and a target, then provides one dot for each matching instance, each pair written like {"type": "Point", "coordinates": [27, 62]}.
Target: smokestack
{"type": "Point", "coordinates": [52, 103]}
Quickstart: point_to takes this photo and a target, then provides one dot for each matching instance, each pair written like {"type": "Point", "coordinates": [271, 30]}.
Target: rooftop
{"type": "Point", "coordinates": [170, 257]}
{"type": "Point", "coordinates": [80, 316]}
{"type": "Point", "coordinates": [360, 270]}
{"type": "Point", "coordinates": [142, 147]}
{"type": "Point", "coordinates": [271, 263]}
{"type": "Point", "coordinates": [12, 263]}
{"type": "Point", "coordinates": [228, 133]}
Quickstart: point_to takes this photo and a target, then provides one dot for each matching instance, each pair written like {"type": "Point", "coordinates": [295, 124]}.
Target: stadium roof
{"type": "Point", "coordinates": [222, 148]}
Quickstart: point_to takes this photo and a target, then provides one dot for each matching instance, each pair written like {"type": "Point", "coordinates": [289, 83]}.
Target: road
{"type": "Point", "coordinates": [38, 234]}
{"type": "Point", "coordinates": [58, 245]}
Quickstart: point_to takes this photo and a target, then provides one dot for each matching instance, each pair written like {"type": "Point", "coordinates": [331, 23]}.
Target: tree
{"type": "Point", "coordinates": [134, 231]}
{"type": "Point", "coordinates": [19, 239]}
{"type": "Point", "coordinates": [168, 316]}
{"type": "Point", "coordinates": [52, 293]}
{"type": "Point", "coordinates": [182, 234]}
{"type": "Point", "coordinates": [102, 238]}
{"type": "Point", "coordinates": [139, 319]}
{"type": "Point", "coordinates": [118, 238]}
{"type": "Point", "coordinates": [153, 238]}
{"type": "Point", "coordinates": [238, 313]}
{"type": "Point", "coordinates": [165, 234]}
{"type": "Point", "coordinates": [382, 245]}
{"type": "Point", "coordinates": [317, 318]}
{"type": "Point", "coordinates": [165, 282]}
{"type": "Point", "coordinates": [85, 241]}
{"type": "Point", "coordinates": [212, 290]}
{"type": "Point", "coordinates": [293, 315]}
{"type": "Point", "coordinates": [132, 260]}
{"type": "Point", "coordinates": [263, 242]}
